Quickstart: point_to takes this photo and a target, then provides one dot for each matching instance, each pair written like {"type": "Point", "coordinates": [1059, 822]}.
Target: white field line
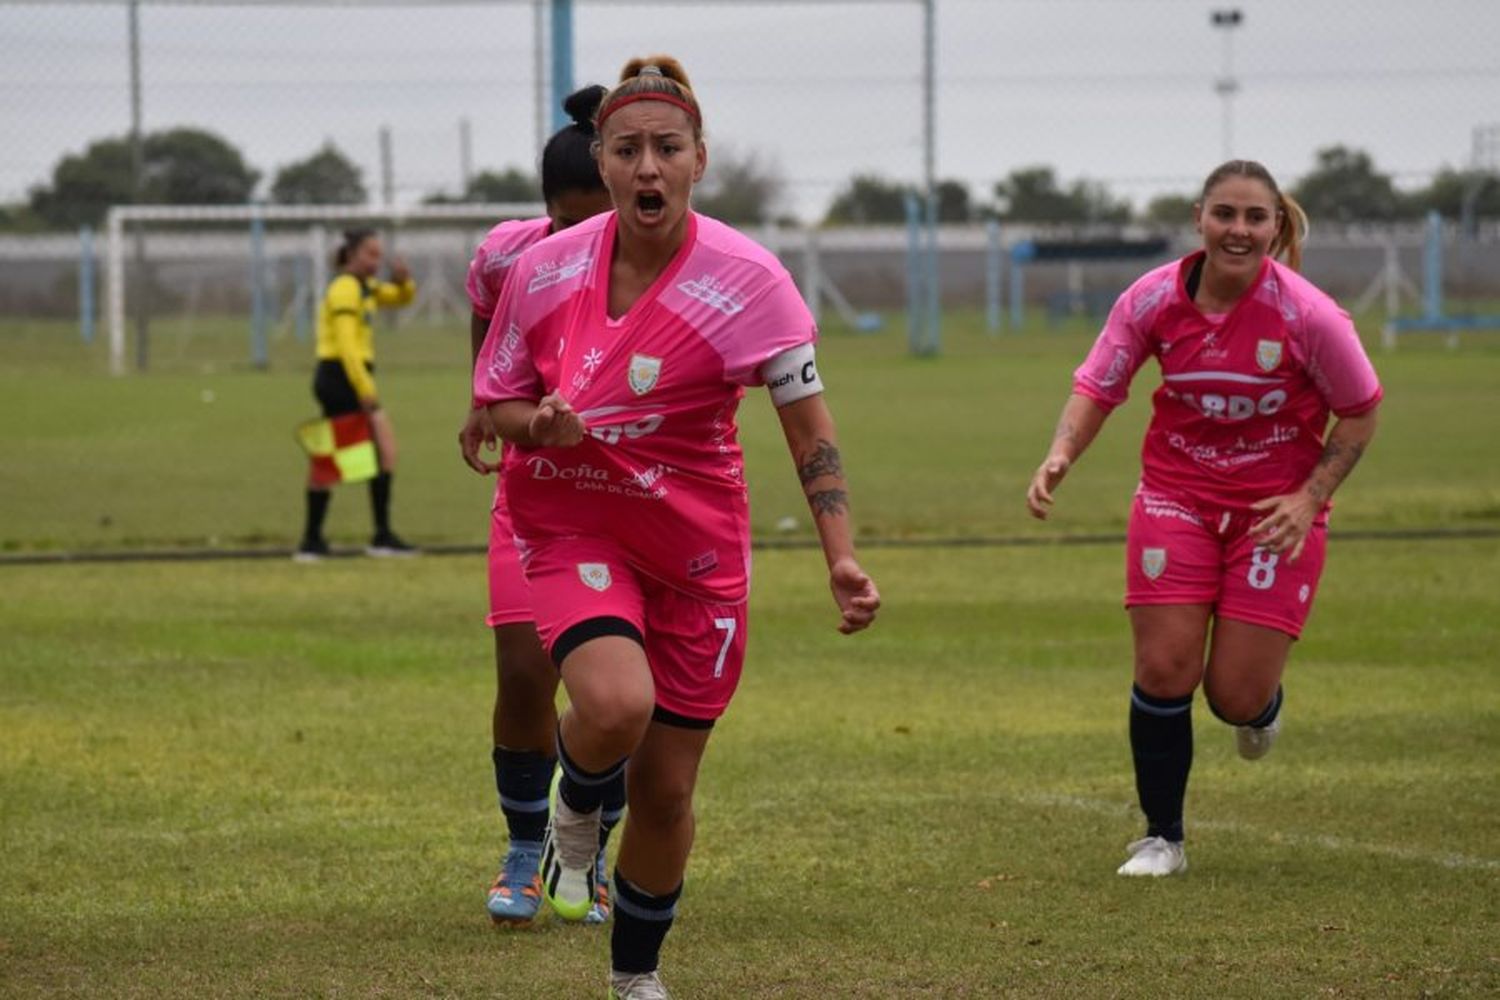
{"type": "Point", "coordinates": [1464, 862]}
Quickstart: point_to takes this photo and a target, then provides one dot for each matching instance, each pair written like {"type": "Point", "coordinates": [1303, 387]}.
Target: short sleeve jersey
{"type": "Point", "coordinates": [660, 470]}
{"type": "Point", "coordinates": [494, 257]}
{"type": "Point", "coordinates": [1245, 396]}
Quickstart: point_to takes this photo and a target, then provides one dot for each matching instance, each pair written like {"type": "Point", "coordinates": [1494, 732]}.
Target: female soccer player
{"type": "Point", "coordinates": [524, 721]}
{"type": "Point", "coordinates": [344, 380]}
{"type": "Point", "coordinates": [615, 365]}
{"type": "Point", "coordinates": [1228, 530]}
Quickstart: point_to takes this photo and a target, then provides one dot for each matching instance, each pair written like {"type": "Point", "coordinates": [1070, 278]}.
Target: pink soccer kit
{"type": "Point", "coordinates": [510, 599]}
{"type": "Point", "coordinates": [1239, 417]}
{"type": "Point", "coordinates": [647, 519]}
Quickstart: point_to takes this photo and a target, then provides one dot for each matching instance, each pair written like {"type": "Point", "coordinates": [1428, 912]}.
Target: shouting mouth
{"type": "Point", "coordinates": [650, 204]}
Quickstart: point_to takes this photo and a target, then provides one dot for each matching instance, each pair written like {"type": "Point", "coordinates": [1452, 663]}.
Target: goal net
{"type": "Point", "coordinates": [207, 287]}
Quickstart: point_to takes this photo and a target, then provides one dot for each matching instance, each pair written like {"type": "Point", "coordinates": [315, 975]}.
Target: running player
{"type": "Point", "coordinates": [344, 381]}
{"type": "Point", "coordinates": [524, 721]}
{"type": "Point", "coordinates": [615, 365]}
{"type": "Point", "coordinates": [1228, 530]}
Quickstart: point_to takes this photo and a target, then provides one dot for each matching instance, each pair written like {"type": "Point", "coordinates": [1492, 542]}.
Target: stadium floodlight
{"type": "Point", "coordinates": [1227, 18]}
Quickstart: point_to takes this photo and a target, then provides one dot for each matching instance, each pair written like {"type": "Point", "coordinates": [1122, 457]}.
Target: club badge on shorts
{"type": "Point", "coordinates": [595, 576]}
{"type": "Point", "coordinates": [1268, 354]}
{"type": "Point", "coordinates": [643, 373]}
{"type": "Point", "coordinates": [1153, 562]}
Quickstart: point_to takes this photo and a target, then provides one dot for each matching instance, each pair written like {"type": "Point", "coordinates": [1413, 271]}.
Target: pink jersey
{"type": "Point", "coordinates": [492, 263]}
{"type": "Point", "coordinates": [1245, 396]}
{"type": "Point", "coordinates": [660, 470]}
{"type": "Point", "coordinates": [494, 257]}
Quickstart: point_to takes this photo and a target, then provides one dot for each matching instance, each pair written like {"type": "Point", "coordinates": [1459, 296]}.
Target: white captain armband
{"type": "Point", "coordinates": [792, 375]}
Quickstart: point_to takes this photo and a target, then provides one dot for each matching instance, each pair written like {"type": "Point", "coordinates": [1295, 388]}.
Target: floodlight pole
{"type": "Point", "coordinates": [137, 192]}
{"type": "Point", "coordinates": [933, 336]}
{"type": "Point", "coordinates": [1227, 18]}
{"type": "Point", "coordinates": [562, 59]}
{"type": "Point", "coordinates": [539, 71]}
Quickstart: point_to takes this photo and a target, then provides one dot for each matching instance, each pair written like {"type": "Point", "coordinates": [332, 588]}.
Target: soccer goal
{"type": "Point", "coordinates": [202, 277]}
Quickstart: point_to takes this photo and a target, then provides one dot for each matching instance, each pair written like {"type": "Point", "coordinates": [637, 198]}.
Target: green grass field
{"type": "Point", "coordinates": [250, 778]}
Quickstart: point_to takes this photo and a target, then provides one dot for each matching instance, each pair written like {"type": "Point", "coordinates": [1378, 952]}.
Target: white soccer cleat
{"type": "Point", "coordinates": [637, 986]}
{"type": "Point", "coordinates": [568, 856]}
{"type": "Point", "coordinates": [1255, 743]}
{"type": "Point", "coordinates": [1154, 856]}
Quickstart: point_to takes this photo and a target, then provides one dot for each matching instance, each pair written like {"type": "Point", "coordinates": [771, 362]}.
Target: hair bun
{"type": "Point", "coordinates": [583, 104]}
{"type": "Point", "coordinates": [656, 66]}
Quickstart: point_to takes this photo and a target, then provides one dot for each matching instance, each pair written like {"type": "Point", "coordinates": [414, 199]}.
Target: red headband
{"type": "Point", "coordinates": [648, 95]}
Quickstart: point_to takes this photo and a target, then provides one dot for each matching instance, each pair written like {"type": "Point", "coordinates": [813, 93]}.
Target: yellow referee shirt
{"type": "Point", "coordinates": [345, 333]}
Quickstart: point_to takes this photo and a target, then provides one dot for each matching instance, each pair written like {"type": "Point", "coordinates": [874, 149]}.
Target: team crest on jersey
{"type": "Point", "coordinates": [643, 372]}
{"type": "Point", "coordinates": [1268, 354]}
{"type": "Point", "coordinates": [1153, 562]}
{"type": "Point", "coordinates": [595, 576]}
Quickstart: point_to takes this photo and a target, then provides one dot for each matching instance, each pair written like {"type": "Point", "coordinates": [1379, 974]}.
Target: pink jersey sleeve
{"type": "Point", "coordinates": [775, 323]}
{"type": "Point", "coordinates": [1125, 342]}
{"type": "Point", "coordinates": [740, 299]}
{"type": "Point", "coordinates": [1325, 342]}
{"type": "Point", "coordinates": [504, 369]}
{"type": "Point", "coordinates": [493, 259]}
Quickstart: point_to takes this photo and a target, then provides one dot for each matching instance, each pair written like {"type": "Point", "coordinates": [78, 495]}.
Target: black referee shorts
{"type": "Point", "coordinates": [332, 389]}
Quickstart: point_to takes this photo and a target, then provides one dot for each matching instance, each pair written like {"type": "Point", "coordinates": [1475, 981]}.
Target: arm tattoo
{"type": "Point", "coordinates": [1065, 431]}
{"type": "Point", "coordinates": [832, 503]}
{"type": "Point", "coordinates": [824, 461]}
{"type": "Point", "coordinates": [1337, 462]}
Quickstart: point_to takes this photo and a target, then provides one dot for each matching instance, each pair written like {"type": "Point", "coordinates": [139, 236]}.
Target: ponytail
{"type": "Point", "coordinates": [1292, 228]}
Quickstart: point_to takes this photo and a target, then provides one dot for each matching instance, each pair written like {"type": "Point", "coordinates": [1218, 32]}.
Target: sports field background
{"type": "Point", "coordinates": [254, 778]}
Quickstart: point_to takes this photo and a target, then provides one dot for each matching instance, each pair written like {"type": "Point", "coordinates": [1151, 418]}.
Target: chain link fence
{"type": "Point", "coordinates": [1105, 106]}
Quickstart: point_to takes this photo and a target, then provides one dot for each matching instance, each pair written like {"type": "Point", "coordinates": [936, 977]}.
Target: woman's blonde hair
{"type": "Point", "coordinates": [658, 77]}
{"type": "Point", "coordinates": [1291, 222]}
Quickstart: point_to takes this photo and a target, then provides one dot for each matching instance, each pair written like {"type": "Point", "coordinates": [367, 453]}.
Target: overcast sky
{"type": "Point", "coordinates": [1113, 90]}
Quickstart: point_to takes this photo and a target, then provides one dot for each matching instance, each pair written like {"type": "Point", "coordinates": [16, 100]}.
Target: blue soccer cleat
{"type": "Point", "coordinates": [517, 892]}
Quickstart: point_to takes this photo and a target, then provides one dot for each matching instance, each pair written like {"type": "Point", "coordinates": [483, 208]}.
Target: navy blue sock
{"type": "Point", "coordinates": [641, 924]}
{"type": "Point", "coordinates": [613, 807]}
{"type": "Point", "coordinates": [582, 790]}
{"type": "Point", "coordinates": [523, 778]}
{"type": "Point", "coordinates": [1161, 742]}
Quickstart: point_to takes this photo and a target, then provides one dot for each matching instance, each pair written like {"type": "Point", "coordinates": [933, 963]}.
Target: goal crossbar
{"type": "Point", "coordinates": [119, 216]}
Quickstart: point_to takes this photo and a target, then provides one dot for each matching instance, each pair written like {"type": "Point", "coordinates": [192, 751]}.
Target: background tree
{"type": "Point", "coordinates": [1344, 186]}
{"type": "Point", "coordinates": [870, 199]}
{"type": "Point", "coordinates": [740, 189]}
{"type": "Point", "coordinates": [510, 185]}
{"type": "Point", "coordinates": [325, 178]}
{"type": "Point", "coordinates": [1449, 188]}
{"type": "Point", "coordinates": [182, 166]}
{"type": "Point", "coordinates": [1033, 194]}
{"type": "Point", "coordinates": [954, 204]}
{"type": "Point", "coordinates": [1169, 210]}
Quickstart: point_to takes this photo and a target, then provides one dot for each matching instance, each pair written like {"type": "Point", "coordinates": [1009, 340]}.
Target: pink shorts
{"type": "Point", "coordinates": [1177, 552]}
{"type": "Point", "coordinates": [696, 648]}
{"type": "Point", "coordinates": [510, 597]}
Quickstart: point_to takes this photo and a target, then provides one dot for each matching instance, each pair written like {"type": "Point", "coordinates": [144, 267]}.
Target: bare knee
{"type": "Point", "coordinates": [620, 721]}
{"type": "Point", "coordinates": [1165, 673]}
{"type": "Point", "coordinates": [1237, 704]}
